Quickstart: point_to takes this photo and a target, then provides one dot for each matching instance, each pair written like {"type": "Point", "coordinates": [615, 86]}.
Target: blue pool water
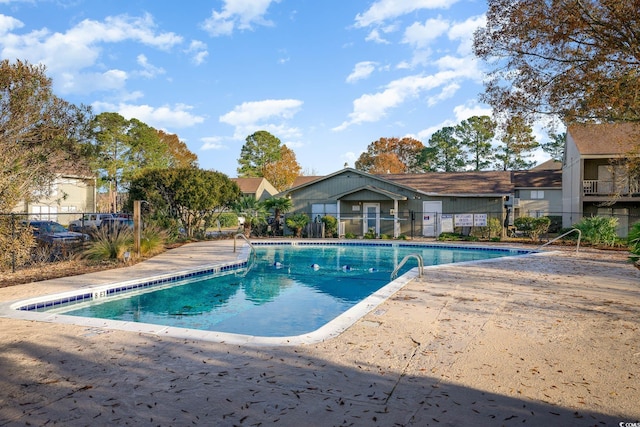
{"type": "Point", "coordinates": [291, 290]}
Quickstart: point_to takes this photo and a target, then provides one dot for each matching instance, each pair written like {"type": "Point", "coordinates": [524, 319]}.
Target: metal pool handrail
{"type": "Point", "coordinates": [404, 261]}
{"type": "Point", "coordinates": [560, 237]}
{"type": "Point", "coordinates": [252, 255]}
{"type": "Point", "coordinates": [245, 239]}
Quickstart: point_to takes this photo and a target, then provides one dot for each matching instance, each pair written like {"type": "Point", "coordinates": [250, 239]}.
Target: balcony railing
{"type": "Point", "coordinates": [594, 187]}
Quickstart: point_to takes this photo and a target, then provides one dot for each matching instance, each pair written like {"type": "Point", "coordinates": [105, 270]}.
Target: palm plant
{"type": "Point", "coordinates": [280, 205]}
{"type": "Point", "coordinates": [252, 210]}
{"type": "Point", "coordinates": [297, 223]}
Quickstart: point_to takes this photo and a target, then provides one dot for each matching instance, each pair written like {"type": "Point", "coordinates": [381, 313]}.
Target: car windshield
{"type": "Point", "coordinates": [50, 227]}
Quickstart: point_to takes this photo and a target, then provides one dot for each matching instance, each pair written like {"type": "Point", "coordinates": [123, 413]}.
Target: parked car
{"type": "Point", "coordinates": [51, 232]}
{"type": "Point", "coordinates": [111, 224]}
{"type": "Point", "coordinates": [89, 221]}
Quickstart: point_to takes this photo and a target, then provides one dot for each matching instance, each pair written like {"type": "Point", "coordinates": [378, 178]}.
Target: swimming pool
{"type": "Point", "coordinates": [294, 289]}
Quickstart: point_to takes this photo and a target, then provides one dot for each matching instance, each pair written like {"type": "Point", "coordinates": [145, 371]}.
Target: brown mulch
{"type": "Point", "coordinates": [54, 270]}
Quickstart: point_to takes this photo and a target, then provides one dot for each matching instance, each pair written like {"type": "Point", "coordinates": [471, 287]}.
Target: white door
{"type": "Point", "coordinates": [371, 219]}
{"type": "Point", "coordinates": [430, 212]}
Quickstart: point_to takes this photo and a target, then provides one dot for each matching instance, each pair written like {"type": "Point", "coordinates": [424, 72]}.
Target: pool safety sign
{"type": "Point", "coordinates": [470, 220]}
{"type": "Point", "coordinates": [479, 220]}
{"type": "Point", "coordinates": [446, 223]}
{"type": "Point", "coordinates": [463, 220]}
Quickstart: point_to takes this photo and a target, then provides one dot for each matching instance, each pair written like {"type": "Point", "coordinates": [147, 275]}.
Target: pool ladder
{"type": "Point", "coordinates": [252, 255]}
{"type": "Point", "coordinates": [560, 237]}
{"type": "Point", "coordinates": [404, 261]}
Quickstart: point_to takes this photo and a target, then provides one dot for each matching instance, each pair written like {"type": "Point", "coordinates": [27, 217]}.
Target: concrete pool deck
{"type": "Point", "coordinates": [544, 340]}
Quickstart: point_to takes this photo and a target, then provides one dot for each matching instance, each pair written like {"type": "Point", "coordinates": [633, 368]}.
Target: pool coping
{"type": "Point", "coordinates": [15, 309]}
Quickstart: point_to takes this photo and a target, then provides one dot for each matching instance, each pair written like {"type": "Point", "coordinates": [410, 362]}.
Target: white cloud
{"type": "Point", "coordinates": [373, 107]}
{"type": "Point", "coordinates": [374, 36]}
{"type": "Point", "coordinates": [212, 143]}
{"type": "Point", "coordinates": [9, 23]}
{"type": "Point", "coordinates": [165, 117]}
{"type": "Point", "coordinates": [148, 70]}
{"type": "Point", "coordinates": [362, 70]}
{"type": "Point", "coordinates": [270, 115]}
{"type": "Point", "coordinates": [463, 31]}
{"type": "Point", "coordinates": [447, 92]}
{"type": "Point", "coordinates": [198, 51]}
{"type": "Point", "coordinates": [254, 112]}
{"type": "Point", "coordinates": [421, 36]}
{"type": "Point", "coordinates": [383, 10]}
{"type": "Point", "coordinates": [237, 14]}
{"type": "Point", "coordinates": [470, 109]}
{"type": "Point", "coordinates": [70, 82]}
{"type": "Point", "coordinates": [65, 54]}
{"type": "Point", "coordinates": [461, 112]}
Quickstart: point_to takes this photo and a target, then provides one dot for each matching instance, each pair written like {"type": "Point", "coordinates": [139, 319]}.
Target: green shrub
{"type": "Point", "coordinates": [598, 230]}
{"type": "Point", "coordinates": [297, 222]}
{"type": "Point", "coordinates": [228, 220]}
{"type": "Point", "coordinates": [110, 245]}
{"type": "Point", "coordinates": [349, 236]}
{"type": "Point", "coordinates": [152, 240]}
{"type": "Point", "coordinates": [633, 241]}
{"type": "Point", "coordinates": [450, 236]}
{"type": "Point", "coordinates": [330, 225]}
{"type": "Point", "coordinates": [532, 227]}
{"type": "Point", "coordinates": [371, 234]}
{"type": "Point", "coordinates": [495, 228]}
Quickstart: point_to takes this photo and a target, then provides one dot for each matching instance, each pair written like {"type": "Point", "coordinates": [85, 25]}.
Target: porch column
{"type": "Point", "coordinates": [338, 216]}
{"type": "Point", "coordinates": [395, 218]}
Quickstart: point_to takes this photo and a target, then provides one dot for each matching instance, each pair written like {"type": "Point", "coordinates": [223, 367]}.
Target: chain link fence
{"type": "Point", "coordinates": [22, 245]}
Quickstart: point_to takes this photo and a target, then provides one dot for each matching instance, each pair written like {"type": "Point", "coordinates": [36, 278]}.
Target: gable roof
{"type": "Point", "coordinates": [605, 139]}
{"type": "Point", "coordinates": [340, 172]}
{"type": "Point", "coordinates": [457, 183]}
{"type": "Point", "coordinates": [303, 179]}
{"type": "Point", "coordinates": [549, 165]}
{"type": "Point", "coordinates": [389, 194]}
{"type": "Point", "coordinates": [260, 187]}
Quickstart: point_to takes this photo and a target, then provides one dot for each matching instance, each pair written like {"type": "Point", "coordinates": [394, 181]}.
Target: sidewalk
{"type": "Point", "coordinates": [550, 340]}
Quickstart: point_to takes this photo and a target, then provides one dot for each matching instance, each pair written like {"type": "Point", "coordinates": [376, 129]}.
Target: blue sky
{"type": "Point", "coordinates": [326, 77]}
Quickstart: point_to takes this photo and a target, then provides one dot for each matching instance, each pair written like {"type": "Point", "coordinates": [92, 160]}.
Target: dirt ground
{"type": "Point", "coordinates": [543, 340]}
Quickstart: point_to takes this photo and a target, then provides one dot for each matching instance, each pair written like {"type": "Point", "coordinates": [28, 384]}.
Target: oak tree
{"type": "Point", "coordinates": [190, 196]}
{"type": "Point", "coordinates": [391, 155]}
{"type": "Point", "coordinates": [179, 154]}
{"type": "Point", "coordinates": [40, 134]}
{"type": "Point", "coordinates": [578, 60]}
{"type": "Point", "coordinates": [284, 171]}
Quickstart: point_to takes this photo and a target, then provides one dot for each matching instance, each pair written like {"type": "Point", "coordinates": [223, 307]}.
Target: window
{"type": "Point", "coordinates": [323, 209]}
{"type": "Point", "coordinates": [537, 194]}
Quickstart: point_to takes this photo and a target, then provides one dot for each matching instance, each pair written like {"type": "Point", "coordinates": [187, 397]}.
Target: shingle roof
{"type": "Point", "coordinates": [538, 179]}
{"type": "Point", "coordinates": [304, 179]}
{"type": "Point", "coordinates": [549, 165]}
{"type": "Point", "coordinates": [248, 185]}
{"type": "Point", "coordinates": [605, 139]}
{"type": "Point", "coordinates": [484, 182]}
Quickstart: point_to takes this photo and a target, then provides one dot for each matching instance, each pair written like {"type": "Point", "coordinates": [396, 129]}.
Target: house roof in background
{"type": "Point", "coordinates": [456, 183]}
{"type": "Point", "coordinates": [605, 139]}
{"type": "Point", "coordinates": [252, 185]}
{"type": "Point", "coordinates": [549, 165]}
{"type": "Point", "coordinates": [538, 179]}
